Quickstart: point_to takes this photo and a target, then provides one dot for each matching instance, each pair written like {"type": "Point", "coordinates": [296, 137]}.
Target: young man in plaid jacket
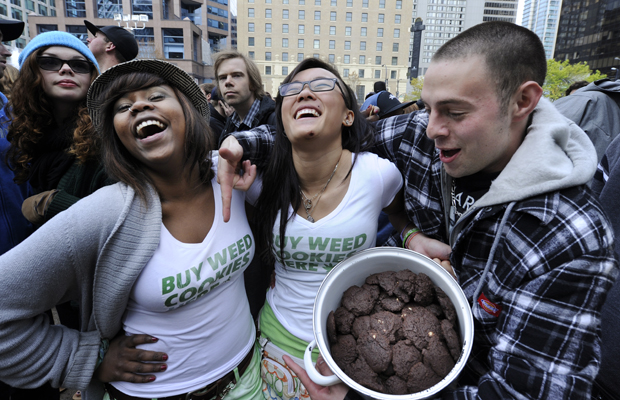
{"type": "Point", "coordinates": [495, 171]}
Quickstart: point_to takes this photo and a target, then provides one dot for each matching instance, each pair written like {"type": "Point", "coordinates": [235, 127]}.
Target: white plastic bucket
{"type": "Point", "coordinates": [354, 271]}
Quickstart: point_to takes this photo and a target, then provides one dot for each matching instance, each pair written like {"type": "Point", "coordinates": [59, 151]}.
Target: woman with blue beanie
{"type": "Point", "coordinates": [53, 143]}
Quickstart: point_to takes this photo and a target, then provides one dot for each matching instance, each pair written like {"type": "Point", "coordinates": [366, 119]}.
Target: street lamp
{"type": "Point", "coordinates": [386, 78]}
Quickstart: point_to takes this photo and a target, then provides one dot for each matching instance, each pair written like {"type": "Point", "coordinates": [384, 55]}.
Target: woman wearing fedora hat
{"type": "Point", "coordinates": [157, 273]}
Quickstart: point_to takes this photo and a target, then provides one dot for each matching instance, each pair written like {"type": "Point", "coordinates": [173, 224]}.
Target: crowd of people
{"type": "Point", "coordinates": [174, 228]}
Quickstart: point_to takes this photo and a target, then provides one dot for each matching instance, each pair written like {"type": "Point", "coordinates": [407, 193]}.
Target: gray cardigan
{"type": "Point", "coordinates": [92, 253]}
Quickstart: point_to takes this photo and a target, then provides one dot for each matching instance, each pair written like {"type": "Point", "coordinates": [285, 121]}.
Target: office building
{"type": "Point", "coordinates": [180, 31]}
{"type": "Point", "coordinates": [19, 10]}
{"type": "Point", "coordinates": [542, 17]}
{"type": "Point", "coordinates": [367, 40]}
{"type": "Point", "coordinates": [588, 31]}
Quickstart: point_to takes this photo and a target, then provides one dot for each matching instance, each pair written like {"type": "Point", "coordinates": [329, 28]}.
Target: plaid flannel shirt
{"type": "Point", "coordinates": [550, 273]}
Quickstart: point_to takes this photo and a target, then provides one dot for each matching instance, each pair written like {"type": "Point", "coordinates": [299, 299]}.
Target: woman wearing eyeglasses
{"type": "Point", "coordinates": [319, 204]}
{"type": "Point", "coordinates": [53, 144]}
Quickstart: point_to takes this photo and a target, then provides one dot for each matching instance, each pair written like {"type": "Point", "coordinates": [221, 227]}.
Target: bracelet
{"type": "Point", "coordinates": [403, 231]}
{"type": "Point", "coordinates": [409, 233]}
{"type": "Point", "coordinates": [103, 349]}
{"type": "Point", "coordinates": [411, 238]}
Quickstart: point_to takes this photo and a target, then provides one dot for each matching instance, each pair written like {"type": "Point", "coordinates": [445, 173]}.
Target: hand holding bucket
{"type": "Point", "coordinates": [313, 373]}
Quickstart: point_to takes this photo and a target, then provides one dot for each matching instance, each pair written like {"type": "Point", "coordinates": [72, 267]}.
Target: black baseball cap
{"type": "Point", "coordinates": [388, 103]}
{"type": "Point", "coordinates": [11, 29]}
{"type": "Point", "coordinates": [124, 41]}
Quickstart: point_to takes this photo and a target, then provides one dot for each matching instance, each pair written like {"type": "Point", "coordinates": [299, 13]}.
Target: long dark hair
{"type": "Point", "coordinates": [280, 179]}
{"type": "Point", "coordinates": [124, 167]}
{"type": "Point", "coordinates": [32, 116]}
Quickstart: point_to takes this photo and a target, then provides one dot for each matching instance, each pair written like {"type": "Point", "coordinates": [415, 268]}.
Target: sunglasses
{"type": "Point", "coordinates": [316, 85]}
{"type": "Point", "coordinates": [55, 64]}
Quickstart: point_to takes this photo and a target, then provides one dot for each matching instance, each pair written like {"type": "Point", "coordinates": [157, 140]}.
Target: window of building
{"type": "Point", "coordinates": [3, 11]}
{"type": "Point", "coordinates": [347, 31]}
{"type": "Point", "coordinates": [267, 56]}
{"type": "Point", "coordinates": [284, 71]}
{"type": "Point", "coordinates": [331, 58]}
{"type": "Point", "coordinates": [301, 14]}
{"type": "Point", "coordinates": [360, 73]}
{"type": "Point", "coordinates": [399, 4]}
{"type": "Point", "coordinates": [317, 15]}
{"type": "Point", "coordinates": [250, 26]}
{"type": "Point", "coordinates": [29, 5]}
{"type": "Point", "coordinates": [347, 59]}
{"type": "Point", "coordinates": [302, 2]}
{"type": "Point", "coordinates": [394, 46]}
{"type": "Point", "coordinates": [381, 3]}
{"type": "Point", "coordinates": [107, 8]}
{"type": "Point", "coordinates": [317, 2]}
{"type": "Point", "coordinates": [284, 1]}
{"type": "Point", "coordinates": [362, 60]}
{"type": "Point", "coordinates": [251, 12]}
{"type": "Point", "coordinates": [251, 55]}
{"type": "Point", "coordinates": [78, 32]}
{"type": "Point", "coordinates": [316, 44]}
{"type": "Point", "coordinates": [364, 17]}
{"type": "Point", "coordinates": [378, 60]}
{"type": "Point", "coordinates": [332, 30]}
{"type": "Point", "coordinates": [365, 3]}
{"type": "Point", "coordinates": [332, 16]}
{"type": "Point", "coordinates": [377, 74]}
{"type": "Point", "coordinates": [345, 73]}
{"type": "Point", "coordinates": [394, 60]}
{"type": "Point", "coordinates": [392, 74]}
{"type": "Point", "coordinates": [267, 69]}
{"type": "Point", "coordinates": [284, 28]}
{"type": "Point", "coordinates": [73, 8]}
{"type": "Point", "coordinates": [349, 3]}
{"type": "Point", "coordinates": [396, 32]}
{"type": "Point", "coordinates": [381, 18]}
{"type": "Point", "coordinates": [213, 23]}
{"type": "Point", "coordinates": [334, 3]}
{"type": "Point", "coordinates": [363, 31]}
{"type": "Point", "coordinates": [316, 55]}
{"type": "Point", "coordinates": [251, 41]}
{"type": "Point", "coordinates": [44, 28]}
{"type": "Point", "coordinates": [267, 12]}
{"type": "Point", "coordinates": [284, 42]}
{"type": "Point", "coordinates": [42, 10]}
{"type": "Point", "coordinates": [317, 29]}
{"type": "Point", "coordinates": [173, 43]}
{"type": "Point", "coordinates": [300, 57]}
{"type": "Point", "coordinates": [332, 44]}
{"type": "Point", "coordinates": [268, 42]}
{"type": "Point", "coordinates": [300, 43]}
{"type": "Point", "coordinates": [267, 28]}
{"type": "Point", "coordinates": [285, 56]}
{"type": "Point", "coordinates": [363, 45]}
{"type": "Point", "coordinates": [301, 29]}
{"type": "Point", "coordinates": [142, 7]}
{"type": "Point", "coordinates": [397, 19]}
{"type": "Point", "coordinates": [284, 14]}
{"type": "Point", "coordinates": [349, 17]}
{"type": "Point", "coordinates": [347, 45]}
{"type": "Point", "coordinates": [145, 38]}
{"type": "Point", "coordinates": [379, 46]}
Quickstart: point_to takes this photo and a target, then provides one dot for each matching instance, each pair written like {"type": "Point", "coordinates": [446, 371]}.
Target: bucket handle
{"type": "Point", "coordinates": [313, 373]}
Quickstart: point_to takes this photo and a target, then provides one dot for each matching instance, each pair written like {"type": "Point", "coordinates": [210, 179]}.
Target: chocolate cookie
{"type": "Point", "coordinates": [331, 328]}
{"type": "Point", "coordinates": [404, 356]}
{"type": "Point", "coordinates": [357, 300]}
{"type": "Point", "coordinates": [437, 356]}
{"type": "Point", "coordinates": [393, 304]}
{"type": "Point", "coordinates": [360, 326]}
{"type": "Point", "coordinates": [396, 385]}
{"type": "Point", "coordinates": [376, 350]}
{"type": "Point", "coordinates": [421, 378]}
{"type": "Point", "coordinates": [424, 290]}
{"type": "Point", "coordinates": [386, 323]}
{"type": "Point", "coordinates": [386, 280]}
{"type": "Point", "coordinates": [344, 351]}
{"type": "Point", "coordinates": [361, 373]}
{"type": "Point", "coordinates": [446, 305]}
{"type": "Point", "coordinates": [419, 325]}
{"type": "Point", "coordinates": [452, 339]}
{"type": "Point", "coordinates": [344, 319]}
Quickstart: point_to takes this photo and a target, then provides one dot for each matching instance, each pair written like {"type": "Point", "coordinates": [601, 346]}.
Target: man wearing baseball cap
{"type": "Point", "coordinates": [111, 45]}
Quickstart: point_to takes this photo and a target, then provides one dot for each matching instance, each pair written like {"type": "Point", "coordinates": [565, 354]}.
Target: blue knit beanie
{"type": "Point", "coordinates": [56, 38]}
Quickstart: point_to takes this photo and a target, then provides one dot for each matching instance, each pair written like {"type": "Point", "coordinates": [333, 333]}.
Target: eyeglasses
{"type": "Point", "coordinates": [55, 64]}
{"type": "Point", "coordinates": [316, 85]}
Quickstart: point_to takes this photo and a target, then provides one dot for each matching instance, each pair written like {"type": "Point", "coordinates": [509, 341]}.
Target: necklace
{"type": "Point", "coordinates": [309, 203]}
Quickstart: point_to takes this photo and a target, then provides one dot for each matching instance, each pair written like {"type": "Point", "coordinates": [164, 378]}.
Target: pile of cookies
{"type": "Point", "coordinates": [395, 334]}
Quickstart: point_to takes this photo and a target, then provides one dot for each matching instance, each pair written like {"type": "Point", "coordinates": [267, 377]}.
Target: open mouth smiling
{"type": "Point", "coordinates": [307, 113]}
{"type": "Point", "coordinates": [149, 128]}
